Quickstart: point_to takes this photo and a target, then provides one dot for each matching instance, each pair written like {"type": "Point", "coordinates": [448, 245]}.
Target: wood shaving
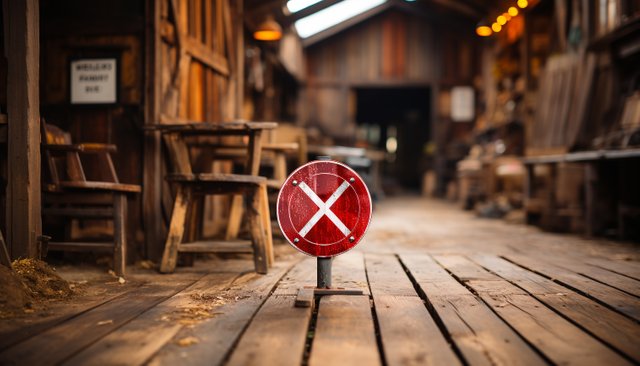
{"type": "Point", "coordinates": [187, 341]}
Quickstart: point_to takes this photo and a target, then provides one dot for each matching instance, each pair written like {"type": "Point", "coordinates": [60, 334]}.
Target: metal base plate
{"type": "Point", "coordinates": [306, 295]}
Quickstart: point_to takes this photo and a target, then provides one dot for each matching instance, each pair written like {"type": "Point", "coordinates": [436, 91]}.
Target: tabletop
{"type": "Point", "coordinates": [208, 128]}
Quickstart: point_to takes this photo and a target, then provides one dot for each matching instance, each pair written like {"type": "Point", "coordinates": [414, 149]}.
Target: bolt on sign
{"type": "Point", "coordinates": [324, 208]}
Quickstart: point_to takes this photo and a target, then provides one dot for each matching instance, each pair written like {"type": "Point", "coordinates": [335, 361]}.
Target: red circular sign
{"type": "Point", "coordinates": [324, 208]}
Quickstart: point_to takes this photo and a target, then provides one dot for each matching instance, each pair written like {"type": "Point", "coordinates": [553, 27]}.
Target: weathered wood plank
{"type": "Point", "coordinates": [344, 334]}
{"type": "Point", "coordinates": [409, 334]}
{"type": "Point", "coordinates": [301, 275]}
{"type": "Point", "coordinates": [387, 277]}
{"type": "Point", "coordinates": [16, 333]}
{"type": "Point", "coordinates": [481, 336]}
{"type": "Point", "coordinates": [348, 272]}
{"type": "Point", "coordinates": [276, 336]}
{"type": "Point", "coordinates": [216, 336]}
{"type": "Point", "coordinates": [609, 326]}
{"type": "Point", "coordinates": [614, 298]}
{"type": "Point", "coordinates": [629, 269]}
{"type": "Point", "coordinates": [622, 283]}
{"type": "Point", "coordinates": [58, 343]}
{"type": "Point", "coordinates": [137, 341]}
{"type": "Point", "coordinates": [558, 339]}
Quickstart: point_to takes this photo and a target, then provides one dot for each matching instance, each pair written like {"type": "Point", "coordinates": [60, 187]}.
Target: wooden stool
{"type": "Point", "coordinates": [190, 187]}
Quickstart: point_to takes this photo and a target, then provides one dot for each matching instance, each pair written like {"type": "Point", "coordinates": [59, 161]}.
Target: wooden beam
{"type": "Point", "coordinates": [152, 179]}
{"type": "Point", "coordinates": [239, 59]}
{"type": "Point", "coordinates": [460, 7]}
{"type": "Point", "coordinates": [347, 24]}
{"type": "Point", "coordinates": [311, 10]}
{"type": "Point", "coordinates": [21, 22]}
{"type": "Point", "coordinates": [206, 55]}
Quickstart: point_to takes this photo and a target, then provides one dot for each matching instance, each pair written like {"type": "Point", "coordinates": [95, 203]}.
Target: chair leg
{"type": "Point", "coordinates": [176, 229]}
{"type": "Point", "coordinates": [280, 167]}
{"type": "Point", "coordinates": [235, 218]}
{"type": "Point", "coordinates": [257, 231]}
{"type": "Point", "coordinates": [119, 233]}
{"type": "Point", "coordinates": [266, 223]}
{"type": "Point", "coordinates": [194, 220]}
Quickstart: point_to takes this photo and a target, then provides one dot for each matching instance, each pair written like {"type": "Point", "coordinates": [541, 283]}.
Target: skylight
{"type": "Point", "coordinates": [297, 5]}
{"type": "Point", "coordinates": [331, 16]}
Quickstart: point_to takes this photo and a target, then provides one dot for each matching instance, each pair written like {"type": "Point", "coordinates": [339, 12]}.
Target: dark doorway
{"type": "Point", "coordinates": [397, 119]}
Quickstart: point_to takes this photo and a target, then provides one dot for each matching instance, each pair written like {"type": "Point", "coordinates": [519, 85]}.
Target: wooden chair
{"type": "Point", "coordinates": [68, 194]}
{"type": "Point", "coordinates": [190, 187]}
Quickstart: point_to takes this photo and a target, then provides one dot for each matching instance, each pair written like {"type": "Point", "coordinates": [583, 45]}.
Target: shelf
{"type": "Point", "coordinates": [625, 31]}
{"type": "Point", "coordinates": [582, 156]}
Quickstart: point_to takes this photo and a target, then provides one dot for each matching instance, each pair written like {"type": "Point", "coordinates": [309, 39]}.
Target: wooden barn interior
{"type": "Point", "coordinates": [145, 148]}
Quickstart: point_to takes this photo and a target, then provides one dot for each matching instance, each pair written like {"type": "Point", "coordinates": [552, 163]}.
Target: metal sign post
{"type": "Point", "coordinates": [324, 210]}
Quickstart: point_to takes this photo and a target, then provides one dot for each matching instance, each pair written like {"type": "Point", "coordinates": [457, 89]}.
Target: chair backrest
{"type": "Point", "coordinates": [64, 162]}
{"type": "Point", "coordinates": [61, 162]}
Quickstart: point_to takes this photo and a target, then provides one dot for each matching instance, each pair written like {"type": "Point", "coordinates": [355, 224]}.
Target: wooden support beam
{"type": "Point", "coordinates": [239, 59]}
{"type": "Point", "coordinates": [21, 27]}
{"type": "Point", "coordinates": [154, 225]}
{"type": "Point", "coordinates": [204, 54]}
{"type": "Point", "coordinates": [310, 10]}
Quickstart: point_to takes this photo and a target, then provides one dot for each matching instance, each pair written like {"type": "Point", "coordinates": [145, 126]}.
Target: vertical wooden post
{"type": "Point", "coordinates": [590, 181]}
{"type": "Point", "coordinates": [119, 233]}
{"type": "Point", "coordinates": [240, 58]}
{"type": "Point", "coordinates": [21, 22]}
{"type": "Point", "coordinates": [152, 177]}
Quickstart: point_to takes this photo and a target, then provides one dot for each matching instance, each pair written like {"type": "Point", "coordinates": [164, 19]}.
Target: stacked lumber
{"type": "Point", "coordinates": [563, 101]}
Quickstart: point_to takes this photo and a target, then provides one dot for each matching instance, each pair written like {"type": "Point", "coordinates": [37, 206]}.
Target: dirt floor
{"type": "Point", "coordinates": [219, 306]}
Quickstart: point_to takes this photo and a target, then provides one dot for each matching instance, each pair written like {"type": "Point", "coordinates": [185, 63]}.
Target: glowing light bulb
{"type": "Point", "coordinates": [501, 20]}
{"type": "Point", "coordinates": [483, 31]}
{"type": "Point", "coordinates": [513, 11]}
{"type": "Point", "coordinates": [523, 3]}
{"type": "Point", "coordinates": [496, 27]}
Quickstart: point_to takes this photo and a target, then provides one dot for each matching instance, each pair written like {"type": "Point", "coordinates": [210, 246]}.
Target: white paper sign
{"type": "Point", "coordinates": [93, 81]}
{"type": "Point", "coordinates": [462, 104]}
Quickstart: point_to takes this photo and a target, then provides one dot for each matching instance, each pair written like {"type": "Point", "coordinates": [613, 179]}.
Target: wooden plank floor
{"type": "Point", "coordinates": [440, 288]}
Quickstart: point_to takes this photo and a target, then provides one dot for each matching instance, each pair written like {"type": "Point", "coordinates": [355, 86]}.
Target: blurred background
{"type": "Point", "coordinates": [527, 111]}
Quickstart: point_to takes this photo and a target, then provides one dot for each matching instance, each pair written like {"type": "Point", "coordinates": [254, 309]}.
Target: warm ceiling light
{"type": "Point", "coordinates": [483, 31]}
{"type": "Point", "coordinates": [269, 30]}
{"type": "Point", "coordinates": [513, 11]}
{"type": "Point", "coordinates": [501, 20]}
{"type": "Point", "coordinates": [496, 27]}
{"type": "Point", "coordinates": [523, 3]}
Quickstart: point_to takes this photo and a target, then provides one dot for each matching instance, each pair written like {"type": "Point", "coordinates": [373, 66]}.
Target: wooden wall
{"type": "Point", "coordinates": [197, 42]}
{"type": "Point", "coordinates": [73, 29]}
{"type": "Point", "coordinates": [194, 76]}
{"type": "Point", "coordinates": [395, 48]}
{"type": "Point", "coordinates": [178, 61]}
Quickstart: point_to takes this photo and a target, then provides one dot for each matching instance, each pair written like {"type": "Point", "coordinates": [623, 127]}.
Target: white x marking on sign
{"type": "Point", "coordinates": [325, 209]}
